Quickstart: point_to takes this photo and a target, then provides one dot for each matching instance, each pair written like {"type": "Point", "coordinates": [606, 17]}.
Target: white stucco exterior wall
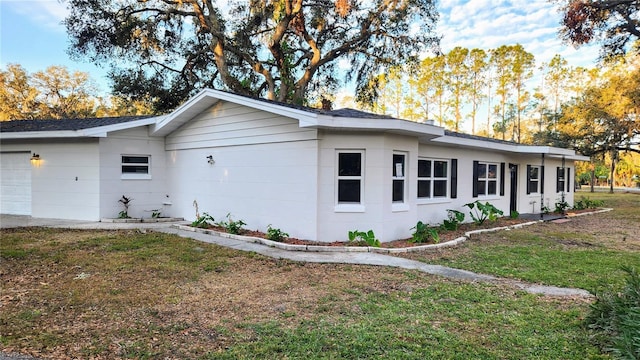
{"type": "Point", "coordinates": [147, 193]}
{"type": "Point", "coordinates": [65, 182]}
{"type": "Point", "coordinates": [257, 176]}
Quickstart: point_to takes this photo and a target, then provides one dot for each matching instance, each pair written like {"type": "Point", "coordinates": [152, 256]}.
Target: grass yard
{"type": "Point", "coordinates": [586, 252]}
{"type": "Point", "coordinates": [124, 294]}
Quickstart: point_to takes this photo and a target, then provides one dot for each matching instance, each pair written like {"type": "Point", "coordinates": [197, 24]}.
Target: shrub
{"type": "Point", "coordinates": [232, 226]}
{"type": "Point", "coordinates": [203, 221]}
{"type": "Point", "coordinates": [586, 203]}
{"type": "Point", "coordinates": [364, 238]}
{"type": "Point", "coordinates": [561, 206]}
{"type": "Point", "coordinates": [276, 234]}
{"type": "Point", "coordinates": [616, 318]}
{"type": "Point", "coordinates": [455, 218]}
{"type": "Point", "coordinates": [423, 233]}
{"type": "Point", "coordinates": [126, 202]}
{"type": "Point", "coordinates": [514, 214]}
{"type": "Point", "coordinates": [482, 212]}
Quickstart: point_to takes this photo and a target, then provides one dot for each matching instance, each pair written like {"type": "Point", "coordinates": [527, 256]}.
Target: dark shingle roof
{"type": "Point", "coordinates": [476, 137]}
{"type": "Point", "coordinates": [64, 124]}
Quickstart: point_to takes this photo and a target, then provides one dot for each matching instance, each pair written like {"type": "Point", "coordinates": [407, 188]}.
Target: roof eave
{"type": "Point", "coordinates": [395, 126]}
{"type": "Point", "coordinates": [209, 97]}
{"type": "Point", "coordinates": [40, 134]}
{"type": "Point", "coordinates": [514, 148]}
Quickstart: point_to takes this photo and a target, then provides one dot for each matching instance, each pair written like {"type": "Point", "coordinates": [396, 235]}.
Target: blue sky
{"type": "Point", "coordinates": [31, 33]}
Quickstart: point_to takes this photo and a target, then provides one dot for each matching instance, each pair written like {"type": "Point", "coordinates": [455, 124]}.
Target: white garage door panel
{"type": "Point", "coordinates": [15, 183]}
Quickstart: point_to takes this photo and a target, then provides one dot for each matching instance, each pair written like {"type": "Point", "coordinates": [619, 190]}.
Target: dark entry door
{"type": "Point", "coordinates": [513, 203]}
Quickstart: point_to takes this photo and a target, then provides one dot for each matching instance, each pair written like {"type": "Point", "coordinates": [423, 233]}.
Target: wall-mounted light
{"type": "Point", "coordinates": [210, 160]}
{"type": "Point", "coordinates": [35, 160]}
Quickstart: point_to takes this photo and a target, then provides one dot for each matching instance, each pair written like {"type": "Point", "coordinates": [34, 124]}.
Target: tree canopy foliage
{"type": "Point", "coordinates": [615, 24]}
{"type": "Point", "coordinates": [57, 93]}
{"type": "Point", "coordinates": [278, 49]}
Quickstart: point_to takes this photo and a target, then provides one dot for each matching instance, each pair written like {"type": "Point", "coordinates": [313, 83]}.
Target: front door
{"type": "Point", "coordinates": [513, 203]}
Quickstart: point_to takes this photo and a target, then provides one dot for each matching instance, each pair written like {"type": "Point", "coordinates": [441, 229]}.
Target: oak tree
{"type": "Point", "coordinates": [615, 24]}
{"type": "Point", "coordinates": [278, 49]}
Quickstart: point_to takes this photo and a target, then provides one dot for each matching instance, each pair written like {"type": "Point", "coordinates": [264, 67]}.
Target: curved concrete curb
{"type": "Point", "coordinates": [370, 249]}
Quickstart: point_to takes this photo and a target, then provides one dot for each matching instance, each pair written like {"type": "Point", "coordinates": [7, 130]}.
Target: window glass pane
{"type": "Point", "coordinates": [398, 190]}
{"type": "Point", "coordinates": [482, 186]}
{"type": "Point", "coordinates": [424, 188]}
{"type": "Point", "coordinates": [493, 185]}
{"type": "Point", "coordinates": [349, 164]}
{"type": "Point", "coordinates": [135, 159]}
{"type": "Point", "coordinates": [533, 186]}
{"type": "Point", "coordinates": [493, 171]}
{"type": "Point", "coordinates": [424, 168]}
{"type": "Point", "coordinates": [439, 188]}
{"type": "Point", "coordinates": [482, 171]}
{"type": "Point", "coordinates": [560, 173]}
{"type": "Point", "coordinates": [440, 169]}
{"type": "Point", "coordinates": [132, 169]}
{"type": "Point", "coordinates": [533, 173]}
{"type": "Point", "coordinates": [398, 165]}
{"type": "Point", "coordinates": [349, 191]}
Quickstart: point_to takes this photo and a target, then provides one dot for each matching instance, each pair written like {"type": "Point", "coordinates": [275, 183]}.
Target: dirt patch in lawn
{"type": "Point", "coordinates": [124, 294]}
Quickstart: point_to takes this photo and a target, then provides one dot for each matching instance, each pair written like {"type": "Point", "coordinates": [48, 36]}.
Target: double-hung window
{"type": "Point", "coordinates": [485, 179]}
{"type": "Point", "coordinates": [136, 166]}
{"type": "Point", "coordinates": [433, 177]}
{"type": "Point", "coordinates": [350, 177]}
{"type": "Point", "coordinates": [533, 179]}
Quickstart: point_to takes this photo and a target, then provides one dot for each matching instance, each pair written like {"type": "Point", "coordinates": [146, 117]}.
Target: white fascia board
{"type": "Point", "coordinates": [208, 97]}
{"type": "Point", "coordinates": [102, 131]}
{"type": "Point", "coordinates": [39, 134]}
{"type": "Point", "coordinates": [396, 126]}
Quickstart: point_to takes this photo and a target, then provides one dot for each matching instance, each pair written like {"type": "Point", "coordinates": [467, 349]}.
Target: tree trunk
{"type": "Point", "coordinates": [613, 170]}
{"type": "Point", "coordinates": [593, 180]}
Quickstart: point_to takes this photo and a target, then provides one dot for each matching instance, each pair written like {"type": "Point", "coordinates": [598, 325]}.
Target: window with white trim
{"type": "Point", "coordinates": [433, 178]}
{"type": "Point", "coordinates": [136, 166]}
{"type": "Point", "coordinates": [561, 179]}
{"type": "Point", "coordinates": [399, 177]}
{"type": "Point", "coordinates": [350, 177]}
{"type": "Point", "coordinates": [533, 179]}
{"type": "Point", "coordinates": [486, 179]}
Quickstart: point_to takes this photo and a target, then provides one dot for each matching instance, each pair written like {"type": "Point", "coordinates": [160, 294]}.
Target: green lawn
{"type": "Point", "coordinates": [123, 294]}
{"type": "Point", "coordinates": [586, 252]}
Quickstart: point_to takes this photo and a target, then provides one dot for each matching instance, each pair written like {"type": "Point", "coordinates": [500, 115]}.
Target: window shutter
{"type": "Point", "coordinates": [528, 179]}
{"type": "Point", "coordinates": [475, 179]}
{"type": "Point", "coordinates": [454, 178]}
{"type": "Point", "coordinates": [559, 174]}
{"type": "Point", "coordinates": [542, 179]}
{"type": "Point", "coordinates": [501, 179]}
{"type": "Point", "coordinates": [568, 180]}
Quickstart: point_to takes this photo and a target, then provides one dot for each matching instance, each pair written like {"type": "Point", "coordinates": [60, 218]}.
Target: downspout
{"type": "Point", "coordinates": [542, 189]}
{"type": "Point", "coordinates": [564, 186]}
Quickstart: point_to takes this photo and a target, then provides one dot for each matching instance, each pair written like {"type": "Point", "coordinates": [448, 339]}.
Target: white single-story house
{"type": "Point", "coordinates": [315, 174]}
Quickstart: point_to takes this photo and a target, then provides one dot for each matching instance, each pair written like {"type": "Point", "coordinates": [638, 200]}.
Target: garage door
{"type": "Point", "coordinates": [15, 183]}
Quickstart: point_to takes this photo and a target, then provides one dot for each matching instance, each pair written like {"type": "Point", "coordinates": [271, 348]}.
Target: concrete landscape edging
{"type": "Point", "coordinates": [371, 249]}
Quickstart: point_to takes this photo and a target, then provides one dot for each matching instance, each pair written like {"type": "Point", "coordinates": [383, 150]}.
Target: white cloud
{"type": "Point", "coordinates": [49, 13]}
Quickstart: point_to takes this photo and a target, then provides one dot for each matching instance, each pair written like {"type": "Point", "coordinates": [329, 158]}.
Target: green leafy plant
{"type": "Point", "coordinates": [232, 226]}
{"type": "Point", "coordinates": [455, 218]}
{"type": "Point", "coordinates": [586, 203]}
{"type": "Point", "coordinates": [203, 221]}
{"type": "Point", "coordinates": [156, 213]}
{"type": "Point", "coordinates": [545, 209]}
{"type": "Point", "coordinates": [481, 212]}
{"type": "Point", "coordinates": [561, 206]}
{"type": "Point", "coordinates": [364, 238]}
{"type": "Point", "coordinates": [275, 234]}
{"type": "Point", "coordinates": [514, 214]}
{"type": "Point", "coordinates": [615, 316]}
{"type": "Point", "coordinates": [423, 233]}
{"type": "Point", "coordinates": [126, 202]}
